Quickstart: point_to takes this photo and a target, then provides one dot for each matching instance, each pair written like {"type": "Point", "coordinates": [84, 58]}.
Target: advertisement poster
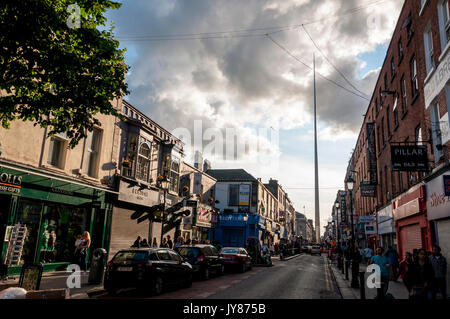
{"type": "Point", "coordinates": [244, 195]}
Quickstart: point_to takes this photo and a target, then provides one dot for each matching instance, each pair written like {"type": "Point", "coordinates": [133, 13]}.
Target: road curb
{"type": "Point", "coordinates": [342, 285]}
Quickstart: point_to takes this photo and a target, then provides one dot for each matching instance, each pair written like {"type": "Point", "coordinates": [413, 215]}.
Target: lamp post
{"type": "Point", "coordinates": [163, 183]}
{"type": "Point", "coordinates": [353, 253]}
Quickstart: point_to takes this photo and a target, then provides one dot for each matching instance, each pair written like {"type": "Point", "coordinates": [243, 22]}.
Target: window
{"type": "Point", "coordinates": [395, 117]}
{"type": "Point", "coordinates": [386, 86]}
{"type": "Point", "coordinates": [414, 81]}
{"type": "Point", "coordinates": [392, 68]}
{"type": "Point", "coordinates": [233, 194]}
{"type": "Point", "coordinates": [409, 28]}
{"type": "Point", "coordinates": [400, 50]}
{"type": "Point", "coordinates": [57, 149]}
{"type": "Point", "coordinates": [429, 53]}
{"type": "Point", "coordinates": [376, 106]}
{"type": "Point", "coordinates": [131, 114]}
{"type": "Point", "coordinates": [174, 174]}
{"type": "Point", "coordinates": [386, 182]}
{"type": "Point", "coordinates": [125, 110]}
{"type": "Point", "coordinates": [129, 162]}
{"type": "Point", "coordinates": [445, 29]}
{"type": "Point", "coordinates": [436, 131]}
{"type": "Point", "coordinates": [92, 153]}
{"type": "Point", "coordinates": [382, 131]}
{"type": "Point", "coordinates": [388, 121]}
{"type": "Point", "coordinates": [404, 98]}
{"type": "Point", "coordinates": [143, 161]}
{"type": "Point", "coordinates": [418, 135]}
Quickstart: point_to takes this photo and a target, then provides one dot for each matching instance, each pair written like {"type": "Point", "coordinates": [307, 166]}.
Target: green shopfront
{"type": "Point", "coordinates": [52, 210]}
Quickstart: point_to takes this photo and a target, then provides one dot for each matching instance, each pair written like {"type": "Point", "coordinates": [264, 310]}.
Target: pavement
{"type": "Point", "coordinates": [396, 288]}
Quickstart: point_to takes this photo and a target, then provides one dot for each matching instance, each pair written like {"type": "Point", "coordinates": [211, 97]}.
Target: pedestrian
{"type": "Point", "coordinates": [169, 242]}
{"type": "Point", "coordinates": [439, 264]}
{"type": "Point", "coordinates": [137, 242]}
{"type": "Point", "coordinates": [188, 241]}
{"type": "Point", "coordinates": [420, 276]}
{"type": "Point", "coordinates": [393, 258]}
{"type": "Point", "coordinates": [404, 267]}
{"type": "Point", "coordinates": [76, 254]}
{"type": "Point", "coordinates": [164, 243]}
{"type": "Point", "coordinates": [382, 262]}
{"type": "Point", "coordinates": [179, 242]}
{"type": "Point", "coordinates": [85, 243]}
{"type": "Point", "coordinates": [367, 253]}
{"type": "Point", "coordinates": [144, 244]}
{"type": "Point", "coordinates": [272, 250]}
{"type": "Point", "coordinates": [155, 243]}
{"type": "Point", "coordinates": [415, 255]}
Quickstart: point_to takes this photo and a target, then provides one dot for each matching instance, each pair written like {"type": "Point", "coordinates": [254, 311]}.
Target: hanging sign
{"type": "Point", "coordinates": [410, 158]}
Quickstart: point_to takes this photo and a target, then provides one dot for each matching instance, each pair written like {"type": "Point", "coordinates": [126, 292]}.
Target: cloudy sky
{"type": "Point", "coordinates": [207, 67]}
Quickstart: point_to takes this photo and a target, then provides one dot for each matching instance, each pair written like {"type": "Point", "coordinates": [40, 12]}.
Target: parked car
{"type": "Point", "coordinates": [205, 260]}
{"type": "Point", "coordinates": [309, 248]}
{"type": "Point", "coordinates": [235, 257]}
{"type": "Point", "coordinates": [147, 269]}
{"type": "Point", "coordinates": [316, 250]}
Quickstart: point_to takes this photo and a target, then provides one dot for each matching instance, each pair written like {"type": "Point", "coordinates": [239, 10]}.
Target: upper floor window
{"type": "Point", "coordinates": [392, 67]}
{"type": "Point", "coordinates": [93, 152]}
{"type": "Point", "coordinates": [414, 80]}
{"type": "Point", "coordinates": [404, 97]}
{"type": "Point", "coordinates": [400, 50]}
{"type": "Point", "coordinates": [125, 110]}
{"type": "Point", "coordinates": [386, 86]}
{"type": "Point", "coordinates": [429, 52]}
{"type": "Point", "coordinates": [445, 26]}
{"type": "Point", "coordinates": [174, 176]}
{"type": "Point", "coordinates": [418, 135]}
{"type": "Point", "coordinates": [409, 28]}
{"type": "Point", "coordinates": [233, 195]}
{"type": "Point", "coordinates": [57, 150]}
{"type": "Point", "coordinates": [388, 121]}
{"type": "Point", "coordinates": [143, 161]}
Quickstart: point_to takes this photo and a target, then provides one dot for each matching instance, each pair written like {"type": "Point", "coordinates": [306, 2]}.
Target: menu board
{"type": "Point", "coordinates": [30, 278]}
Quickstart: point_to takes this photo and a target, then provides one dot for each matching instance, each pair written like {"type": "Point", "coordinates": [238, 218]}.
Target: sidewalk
{"type": "Point", "coordinates": [57, 280]}
{"type": "Point", "coordinates": [397, 289]}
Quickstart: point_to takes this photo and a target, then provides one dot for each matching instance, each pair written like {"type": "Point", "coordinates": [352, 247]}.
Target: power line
{"type": "Point", "coordinates": [235, 33]}
{"type": "Point", "coordinates": [331, 63]}
{"type": "Point", "coordinates": [322, 76]}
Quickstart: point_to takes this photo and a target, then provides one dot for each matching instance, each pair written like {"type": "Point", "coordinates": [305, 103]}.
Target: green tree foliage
{"type": "Point", "coordinates": [54, 74]}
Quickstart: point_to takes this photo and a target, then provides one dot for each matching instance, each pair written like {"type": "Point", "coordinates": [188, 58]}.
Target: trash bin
{"type": "Point", "coordinates": [97, 266]}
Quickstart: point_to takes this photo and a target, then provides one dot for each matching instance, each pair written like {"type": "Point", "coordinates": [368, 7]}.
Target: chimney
{"type": "Point", "coordinates": [198, 160]}
{"type": "Point", "coordinates": [206, 165]}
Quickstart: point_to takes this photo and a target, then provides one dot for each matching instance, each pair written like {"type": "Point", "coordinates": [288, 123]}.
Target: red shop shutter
{"type": "Point", "coordinates": [411, 238]}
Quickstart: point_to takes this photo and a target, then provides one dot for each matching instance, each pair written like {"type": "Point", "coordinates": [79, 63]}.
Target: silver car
{"type": "Point", "coordinates": [316, 250]}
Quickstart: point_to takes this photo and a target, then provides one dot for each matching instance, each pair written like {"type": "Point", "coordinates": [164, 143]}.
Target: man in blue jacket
{"type": "Point", "coordinates": [439, 264]}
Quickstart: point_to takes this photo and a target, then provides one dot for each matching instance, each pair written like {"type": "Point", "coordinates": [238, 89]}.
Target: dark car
{"type": "Point", "coordinates": [205, 259]}
{"type": "Point", "coordinates": [237, 258]}
{"type": "Point", "coordinates": [147, 269]}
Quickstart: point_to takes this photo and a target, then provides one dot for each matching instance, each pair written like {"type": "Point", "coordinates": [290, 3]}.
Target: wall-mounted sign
{"type": "Point", "coordinates": [10, 183]}
{"type": "Point", "coordinates": [438, 203]}
{"type": "Point", "coordinates": [407, 209]}
{"type": "Point", "coordinates": [244, 195]}
{"type": "Point", "coordinates": [438, 81]}
{"type": "Point", "coordinates": [137, 195]}
{"type": "Point", "coordinates": [446, 185]}
{"type": "Point", "coordinates": [372, 153]}
{"type": "Point", "coordinates": [366, 219]}
{"type": "Point", "coordinates": [370, 229]}
{"type": "Point", "coordinates": [368, 190]}
{"type": "Point", "coordinates": [409, 158]}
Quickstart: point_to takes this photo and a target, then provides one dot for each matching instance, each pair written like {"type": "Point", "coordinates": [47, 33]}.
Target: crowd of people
{"type": "Point", "coordinates": [423, 273]}
{"type": "Point", "coordinates": [168, 243]}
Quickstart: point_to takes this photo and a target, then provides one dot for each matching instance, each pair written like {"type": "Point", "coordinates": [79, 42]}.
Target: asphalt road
{"type": "Point", "coordinates": [304, 277]}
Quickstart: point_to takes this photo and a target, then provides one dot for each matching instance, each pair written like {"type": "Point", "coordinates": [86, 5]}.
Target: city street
{"type": "Point", "coordinates": [303, 277]}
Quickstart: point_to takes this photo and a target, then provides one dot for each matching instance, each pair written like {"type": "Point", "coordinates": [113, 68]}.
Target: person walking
{"type": "Point", "coordinates": [85, 244]}
{"type": "Point", "coordinates": [164, 243]}
{"type": "Point", "coordinates": [367, 253]}
{"type": "Point", "coordinates": [382, 262]}
{"type": "Point", "coordinates": [145, 244]}
{"type": "Point", "coordinates": [155, 243]}
{"type": "Point", "coordinates": [420, 276]}
{"type": "Point", "coordinates": [393, 258]}
{"type": "Point", "coordinates": [137, 242]}
{"type": "Point", "coordinates": [404, 267]}
{"type": "Point", "coordinates": [169, 242]}
{"type": "Point", "coordinates": [439, 264]}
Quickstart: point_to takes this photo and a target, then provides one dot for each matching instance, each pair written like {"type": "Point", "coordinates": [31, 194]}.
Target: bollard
{"type": "Point", "coordinates": [362, 286]}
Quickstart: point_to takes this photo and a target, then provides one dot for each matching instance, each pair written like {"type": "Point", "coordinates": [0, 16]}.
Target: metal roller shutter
{"type": "Point", "coordinates": [443, 230]}
{"type": "Point", "coordinates": [411, 238]}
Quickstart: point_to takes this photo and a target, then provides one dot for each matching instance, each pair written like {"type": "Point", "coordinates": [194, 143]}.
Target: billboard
{"type": "Point", "coordinates": [244, 195]}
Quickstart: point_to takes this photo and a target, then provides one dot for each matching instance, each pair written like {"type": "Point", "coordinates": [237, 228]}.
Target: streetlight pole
{"type": "Point", "coordinates": [353, 252]}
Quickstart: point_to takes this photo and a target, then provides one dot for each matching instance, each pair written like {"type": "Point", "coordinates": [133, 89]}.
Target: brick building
{"type": "Point", "coordinates": [409, 106]}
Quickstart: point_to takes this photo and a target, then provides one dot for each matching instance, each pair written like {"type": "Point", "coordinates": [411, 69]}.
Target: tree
{"type": "Point", "coordinates": [55, 73]}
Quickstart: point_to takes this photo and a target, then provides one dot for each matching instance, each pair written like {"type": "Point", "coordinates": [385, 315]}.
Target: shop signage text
{"type": "Point", "coordinates": [438, 203]}
{"type": "Point", "coordinates": [438, 80]}
{"type": "Point", "coordinates": [409, 158]}
{"type": "Point", "coordinates": [407, 209]}
{"type": "Point", "coordinates": [371, 147]}
{"type": "Point", "coordinates": [368, 190]}
{"type": "Point", "coordinates": [366, 219]}
{"type": "Point", "coordinates": [10, 183]}
{"type": "Point", "coordinates": [135, 195]}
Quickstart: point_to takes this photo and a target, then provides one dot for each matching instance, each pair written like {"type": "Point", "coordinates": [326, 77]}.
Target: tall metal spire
{"type": "Point", "coordinates": [316, 166]}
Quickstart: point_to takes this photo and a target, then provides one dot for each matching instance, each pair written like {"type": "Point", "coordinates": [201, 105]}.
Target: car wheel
{"type": "Point", "coordinates": [158, 286]}
{"type": "Point", "coordinates": [243, 268]}
{"type": "Point", "coordinates": [206, 273]}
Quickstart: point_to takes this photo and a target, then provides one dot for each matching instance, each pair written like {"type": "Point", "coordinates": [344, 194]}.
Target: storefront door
{"type": "Point", "coordinates": [4, 211]}
{"type": "Point", "coordinates": [411, 237]}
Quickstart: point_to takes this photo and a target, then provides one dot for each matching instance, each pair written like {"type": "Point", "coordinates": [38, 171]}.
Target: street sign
{"type": "Point", "coordinates": [409, 158]}
{"type": "Point", "coordinates": [190, 203]}
{"type": "Point", "coordinates": [366, 219]}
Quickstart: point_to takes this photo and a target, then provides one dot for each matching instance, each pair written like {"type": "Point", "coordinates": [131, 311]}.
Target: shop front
{"type": "Point", "coordinates": [132, 215]}
{"type": "Point", "coordinates": [232, 230]}
{"type": "Point", "coordinates": [386, 228]}
{"type": "Point", "coordinates": [42, 214]}
{"type": "Point", "coordinates": [257, 227]}
{"type": "Point", "coordinates": [438, 212]}
{"type": "Point", "coordinates": [202, 227]}
{"type": "Point", "coordinates": [411, 223]}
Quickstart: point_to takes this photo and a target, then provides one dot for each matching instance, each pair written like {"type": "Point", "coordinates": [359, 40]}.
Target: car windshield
{"type": "Point", "coordinates": [188, 251]}
{"type": "Point", "coordinates": [229, 251]}
{"type": "Point", "coordinates": [316, 247]}
{"type": "Point", "coordinates": [130, 257]}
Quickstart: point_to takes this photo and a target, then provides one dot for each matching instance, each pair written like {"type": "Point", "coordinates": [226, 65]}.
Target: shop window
{"type": "Point", "coordinates": [92, 153]}
{"type": "Point", "coordinates": [129, 161]}
{"type": "Point", "coordinates": [57, 149]}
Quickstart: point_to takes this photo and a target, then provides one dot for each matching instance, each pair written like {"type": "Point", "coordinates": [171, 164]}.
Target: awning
{"type": "Point", "coordinates": [67, 180]}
